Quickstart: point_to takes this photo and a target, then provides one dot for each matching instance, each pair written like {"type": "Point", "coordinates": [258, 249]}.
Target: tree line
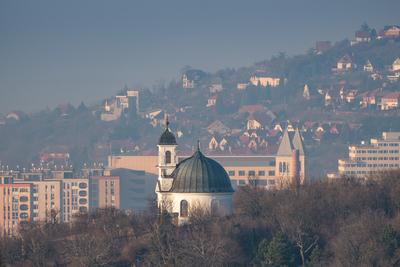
{"type": "Point", "coordinates": [346, 222]}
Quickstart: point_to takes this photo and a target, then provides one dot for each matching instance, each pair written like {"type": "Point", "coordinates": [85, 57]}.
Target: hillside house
{"type": "Point", "coordinates": [253, 124]}
{"type": "Point", "coordinates": [191, 77]}
{"type": "Point", "coordinates": [242, 86]}
{"type": "Point", "coordinates": [368, 67]}
{"type": "Point", "coordinates": [369, 98]}
{"type": "Point", "coordinates": [396, 65]}
{"type": "Point", "coordinates": [212, 100]}
{"type": "Point", "coordinates": [390, 101]}
{"type": "Point", "coordinates": [345, 64]}
{"type": "Point", "coordinates": [264, 80]}
{"type": "Point", "coordinates": [351, 95]}
{"type": "Point", "coordinates": [361, 37]}
{"type": "Point", "coordinates": [391, 31]}
{"type": "Point", "coordinates": [218, 143]}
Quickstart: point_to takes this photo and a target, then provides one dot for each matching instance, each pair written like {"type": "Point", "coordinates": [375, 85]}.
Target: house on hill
{"type": "Point", "coordinates": [396, 65]}
{"type": "Point", "coordinates": [389, 31]}
{"type": "Point", "coordinates": [242, 86]}
{"type": "Point", "coordinates": [259, 120]}
{"type": "Point", "coordinates": [390, 101]}
{"type": "Point", "coordinates": [361, 37]}
{"type": "Point", "coordinates": [264, 80]}
{"type": "Point", "coordinates": [368, 67]}
{"type": "Point", "coordinates": [369, 98]}
{"type": "Point", "coordinates": [212, 100]}
{"type": "Point", "coordinates": [345, 64]}
{"type": "Point", "coordinates": [191, 77]}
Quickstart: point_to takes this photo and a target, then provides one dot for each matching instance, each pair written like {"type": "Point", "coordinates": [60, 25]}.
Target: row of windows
{"type": "Point", "coordinates": [251, 173]}
{"type": "Point", "coordinates": [363, 165]}
{"type": "Point", "coordinates": [256, 182]}
{"type": "Point", "coordinates": [377, 158]}
{"type": "Point", "coordinates": [373, 151]}
{"type": "Point", "coordinates": [15, 190]}
{"type": "Point", "coordinates": [388, 144]}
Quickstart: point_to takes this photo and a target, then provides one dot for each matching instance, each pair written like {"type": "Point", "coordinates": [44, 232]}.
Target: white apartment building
{"type": "Point", "coordinates": [379, 155]}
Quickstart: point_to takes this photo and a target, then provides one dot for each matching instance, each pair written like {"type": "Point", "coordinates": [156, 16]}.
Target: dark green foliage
{"type": "Point", "coordinates": [278, 252]}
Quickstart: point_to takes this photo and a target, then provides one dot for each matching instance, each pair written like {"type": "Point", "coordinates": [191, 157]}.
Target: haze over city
{"type": "Point", "coordinates": [72, 51]}
{"type": "Point", "coordinates": [200, 133]}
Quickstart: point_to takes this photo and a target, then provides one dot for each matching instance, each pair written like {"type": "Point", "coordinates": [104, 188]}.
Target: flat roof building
{"type": "Point", "coordinates": [379, 155]}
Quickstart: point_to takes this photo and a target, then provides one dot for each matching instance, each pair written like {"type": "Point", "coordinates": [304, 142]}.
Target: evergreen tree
{"type": "Point", "coordinates": [279, 252]}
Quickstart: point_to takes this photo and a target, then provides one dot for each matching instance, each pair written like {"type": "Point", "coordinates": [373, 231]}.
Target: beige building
{"type": "Point", "coordinates": [104, 192]}
{"type": "Point", "coordinates": [46, 200]}
{"type": "Point", "coordinates": [15, 207]}
{"type": "Point", "coordinates": [379, 155]}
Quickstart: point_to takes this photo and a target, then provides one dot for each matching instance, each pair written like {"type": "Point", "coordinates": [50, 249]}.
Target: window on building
{"type": "Point", "coordinates": [271, 173]}
{"type": "Point", "coordinates": [261, 173]}
{"type": "Point", "coordinates": [252, 173]}
{"type": "Point", "coordinates": [241, 173]}
{"type": "Point", "coordinates": [231, 173]}
{"type": "Point", "coordinates": [167, 157]}
{"type": "Point", "coordinates": [184, 212]}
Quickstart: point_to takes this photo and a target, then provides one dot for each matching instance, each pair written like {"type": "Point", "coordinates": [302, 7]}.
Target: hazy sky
{"type": "Point", "coordinates": [57, 51]}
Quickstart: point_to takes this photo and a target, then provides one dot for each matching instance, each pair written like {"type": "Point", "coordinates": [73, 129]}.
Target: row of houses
{"type": "Point", "coordinates": [261, 138]}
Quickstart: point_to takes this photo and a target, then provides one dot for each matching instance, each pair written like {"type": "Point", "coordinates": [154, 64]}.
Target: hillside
{"type": "Point", "coordinates": [215, 97]}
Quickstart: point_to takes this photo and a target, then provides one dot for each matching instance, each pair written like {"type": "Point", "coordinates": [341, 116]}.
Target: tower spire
{"type": "Point", "coordinates": [198, 145]}
{"type": "Point", "coordinates": [167, 122]}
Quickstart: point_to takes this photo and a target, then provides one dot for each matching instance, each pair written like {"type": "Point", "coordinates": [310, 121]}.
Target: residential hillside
{"type": "Point", "coordinates": [336, 94]}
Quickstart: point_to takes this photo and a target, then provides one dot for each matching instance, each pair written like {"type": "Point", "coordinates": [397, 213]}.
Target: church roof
{"type": "Point", "coordinates": [285, 147]}
{"type": "Point", "coordinates": [298, 142]}
{"type": "Point", "coordinates": [167, 137]}
{"type": "Point", "coordinates": [200, 174]}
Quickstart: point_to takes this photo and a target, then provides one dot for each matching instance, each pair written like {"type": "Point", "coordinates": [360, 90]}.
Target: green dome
{"type": "Point", "coordinates": [167, 138]}
{"type": "Point", "coordinates": [199, 174]}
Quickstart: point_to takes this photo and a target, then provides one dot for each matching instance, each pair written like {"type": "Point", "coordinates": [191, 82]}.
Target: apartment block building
{"type": "Point", "coordinates": [46, 200]}
{"type": "Point", "coordinates": [104, 192]}
{"type": "Point", "coordinates": [15, 208]}
{"type": "Point", "coordinates": [75, 197]}
{"type": "Point", "coordinates": [378, 155]}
